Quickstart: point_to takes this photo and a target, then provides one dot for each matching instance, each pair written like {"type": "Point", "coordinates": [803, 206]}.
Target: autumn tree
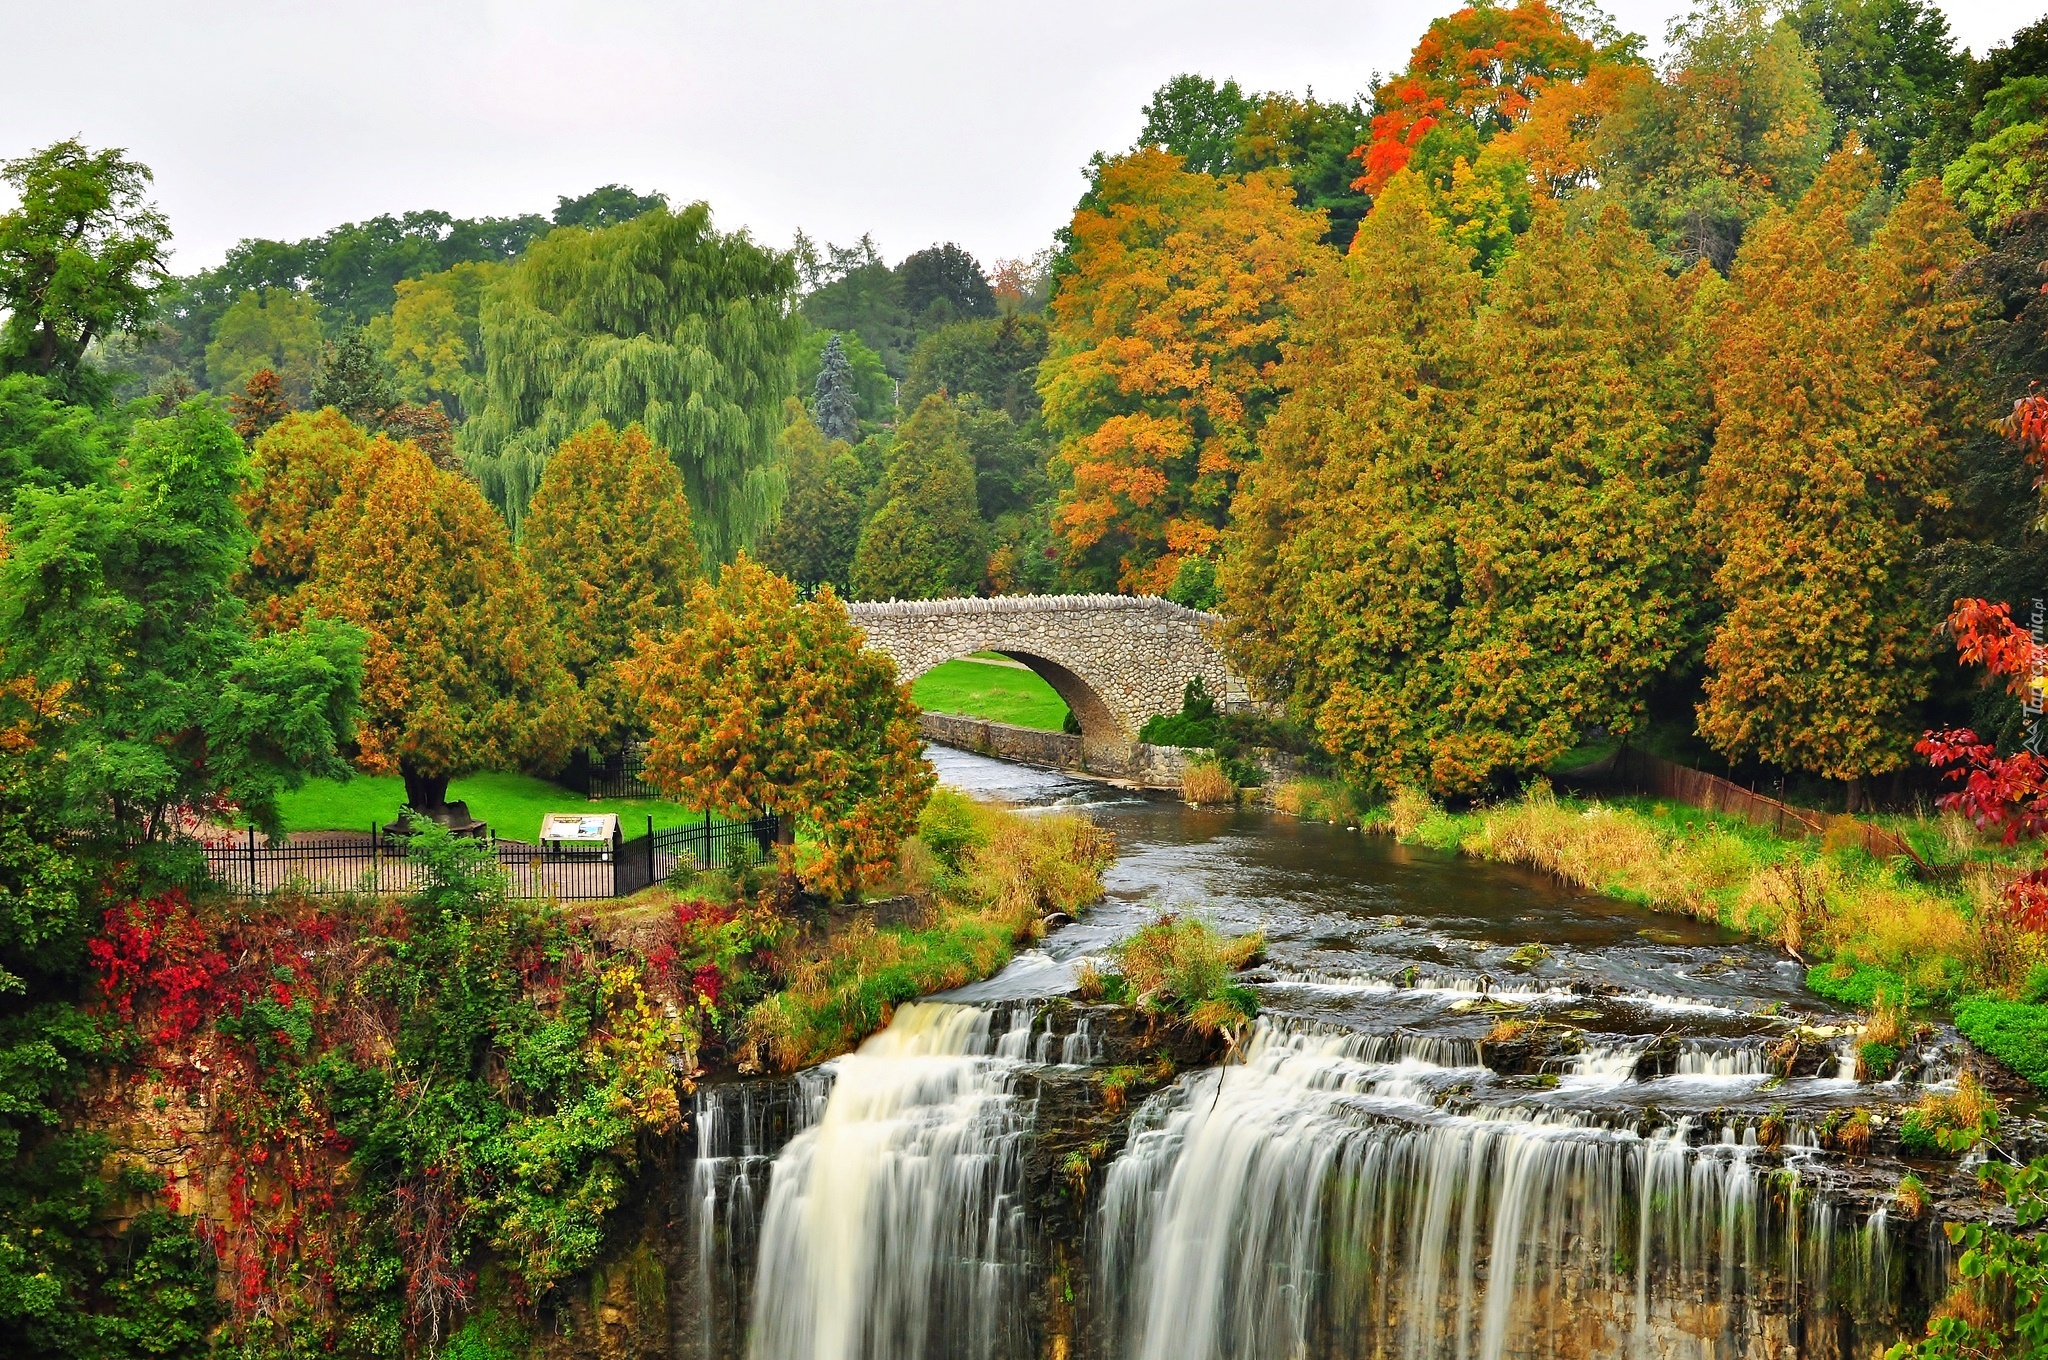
{"type": "Point", "coordinates": [927, 540]}
{"type": "Point", "coordinates": [259, 405]}
{"type": "Point", "coordinates": [1165, 331]}
{"type": "Point", "coordinates": [815, 535]}
{"type": "Point", "coordinates": [1570, 486]}
{"type": "Point", "coordinates": [661, 321]}
{"type": "Point", "coordinates": [295, 476]}
{"type": "Point", "coordinates": [1734, 126]}
{"type": "Point", "coordinates": [764, 703]}
{"type": "Point", "coordinates": [608, 540]}
{"type": "Point", "coordinates": [81, 259]}
{"type": "Point", "coordinates": [461, 670]}
{"type": "Point", "coordinates": [1830, 452]}
{"type": "Point", "coordinates": [1338, 584]}
{"type": "Point", "coordinates": [1482, 68]}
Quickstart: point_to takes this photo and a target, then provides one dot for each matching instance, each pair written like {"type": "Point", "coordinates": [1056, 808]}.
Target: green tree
{"type": "Point", "coordinates": [660, 321]}
{"type": "Point", "coordinates": [605, 206]}
{"type": "Point", "coordinates": [814, 538]}
{"type": "Point", "coordinates": [1009, 462]}
{"type": "Point", "coordinates": [1888, 69]}
{"type": "Point", "coordinates": [1736, 125]}
{"type": "Point", "coordinates": [762, 702]}
{"type": "Point", "coordinates": [45, 442]}
{"type": "Point", "coordinates": [1312, 142]}
{"type": "Point", "coordinates": [1829, 453]}
{"type": "Point", "coordinates": [460, 670]}
{"type": "Point", "coordinates": [942, 284]}
{"type": "Point", "coordinates": [608, 539]}
{"type": "Point", "coordinates": [874, 391]}
{"type": "Point", "coordinates": [2004, 172]}
{"type": "Point", "coordinates": [81, 259]}
{"type": "Point", "coordinates": [122, 596]}
{"type": "Point", "coordinates": [273, 328]}
{"type": "Point", "coordinates": [927, 540]}
{"type": "Point", "coordinates": [354, 380]}
{"type": "Point", "coordinates": [832, 397]}
{"type": "Point", "coordinates": [432, 337]}
{"type": "Point", "coordinates": [995, 359]}
{"type": "Point", "coordinates": [1199, 121]}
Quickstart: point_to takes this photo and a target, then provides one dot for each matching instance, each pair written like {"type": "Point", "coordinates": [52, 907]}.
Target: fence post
{"type": "Point", "coordinates": [252, 861]}
{"type": "Point", "coordinates": [650, 849]}
{"type": "Point", "coordinates": [705, 858]}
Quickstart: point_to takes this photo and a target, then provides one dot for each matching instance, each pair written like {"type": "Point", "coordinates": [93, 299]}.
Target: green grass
{"type": "Point", "coordinates": [975, 689]}
{"type": "Point", "coordinates": [2013, 1032]}
{"type": "Point", "coordinates": [512, 803]}
{"type": "Point", "coordinates": [1855, 984]}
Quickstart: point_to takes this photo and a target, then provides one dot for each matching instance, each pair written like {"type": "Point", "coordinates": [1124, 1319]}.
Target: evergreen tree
{"type": "Point", "coordinates": [814, 538]}
{"type": "Point", "coordinates": [660, 321]}
{"type": "Point", "coordinates": [927, 540]}
{"type": "Point", "coordinates": [608, 539]}
{"type": "Point", "coordinates": [296, 473]}
{"type": "Point", "coordinates": [944, 283]}
{"type": "Point", "coordinates": [1339, 581]}
{"type": "Point", "coordinates": [1570, 488]}
{"type": "Point", "coordinates": [461, 670]}
{"type": "Point", "coordinates": [995, 359]}
{"type": "Point", "coordinates": [1828, 455]}
{"type": "Point", "coordinates": [832, 399]}
{"type": "Point", "coordinates": [354, 380]}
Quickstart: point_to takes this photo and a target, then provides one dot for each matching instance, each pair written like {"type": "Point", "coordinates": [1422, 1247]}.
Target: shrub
{"type": "Point", "coordinates": [1875, 1061]}
{"type": "Point", "coordinates": [1852, 984]}
{"type": "Point", "coordinates": [1952, 1123]}
{"type": "Point", "coordinates": [1182, 965]}
{"type": "Point", "coordinates": [1197, 723]}
{"type": "Point", "coordinates": [1318, 800]}
{"type": "Point", "coordinates": [1204, 782]}
{"type": "Point", "coordinates": [1911, 1196]}
{"type": "Point", "coordinates": [2014, 1032]}
{"type": "Point", "coordinates": [950, 826]}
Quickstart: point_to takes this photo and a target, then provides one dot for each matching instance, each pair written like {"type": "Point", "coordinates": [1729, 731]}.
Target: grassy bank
{"type": "Point", "coordinates": [993, 688]}
{"type": "Point", "coordinates": [984, 878]}
{"type": "Point", "coordinates": [512, 803]}
{"type": "Point", "coordinates": [1868, 929]}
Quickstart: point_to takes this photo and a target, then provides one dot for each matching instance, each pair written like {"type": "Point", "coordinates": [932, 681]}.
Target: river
{"type": "Point", "coordinates": [1663, 1172]}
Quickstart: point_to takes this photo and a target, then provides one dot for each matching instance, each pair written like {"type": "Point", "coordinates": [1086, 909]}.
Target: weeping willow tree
{"type": "Point", "coordinates": [662, 321]}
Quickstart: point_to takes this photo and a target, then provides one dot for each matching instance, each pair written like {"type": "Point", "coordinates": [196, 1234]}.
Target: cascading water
{"type": "Point", "coordinates": [893, 1229]}
{"type": "Point", "coordinates": [1320, 1200]}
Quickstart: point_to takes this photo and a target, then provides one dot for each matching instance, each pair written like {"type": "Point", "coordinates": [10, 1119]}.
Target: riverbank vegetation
{"type": "Point", "coordinates": [982, 881]}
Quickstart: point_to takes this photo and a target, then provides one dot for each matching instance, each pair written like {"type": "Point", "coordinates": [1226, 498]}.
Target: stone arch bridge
{"type": "Point", "coordinates": [1116, 659]}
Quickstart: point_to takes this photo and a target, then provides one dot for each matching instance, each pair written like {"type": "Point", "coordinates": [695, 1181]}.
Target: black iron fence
{"type": "Point", "coordinates": [618, 775]}
{"type": "Point", "coordinates": [373, 862]}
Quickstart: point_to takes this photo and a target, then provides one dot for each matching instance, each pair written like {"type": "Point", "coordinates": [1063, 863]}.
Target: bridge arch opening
{"type": "Point", "coordinates": [1105, 741]}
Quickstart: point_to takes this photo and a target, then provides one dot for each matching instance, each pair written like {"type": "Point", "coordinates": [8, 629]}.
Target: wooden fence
{"type": "Point", "coordinates": [1632, 771]}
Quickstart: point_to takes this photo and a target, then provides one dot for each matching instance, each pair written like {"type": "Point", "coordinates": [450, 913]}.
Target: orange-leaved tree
{"type": "Point", "coordinates": [1165, 333]}
{"type": "Point", "coordinates": [608, 538]}
{"type": "Point", "coordinates": [260, 404]}
{"type": "Point", "coordinates": [460, 672]}
{"type": "Point", "coordinates": [297, 472]}
{"type": "Point", "coordinates": [1484, 66]}
{"type": "Point", "coordinates": [762, 702]}
{"type": "Point", "coordinates": [1833, 437]}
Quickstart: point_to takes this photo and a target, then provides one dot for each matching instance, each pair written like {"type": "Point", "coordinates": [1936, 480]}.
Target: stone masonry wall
{"type": "Point", "coordinates": [1132, 654]}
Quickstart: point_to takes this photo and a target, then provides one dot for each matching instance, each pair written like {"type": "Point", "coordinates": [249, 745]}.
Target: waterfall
{"type": "Point", "coordinates": [1317, 1201]}
{"type": "Point", "coordinates": [893, 1228]}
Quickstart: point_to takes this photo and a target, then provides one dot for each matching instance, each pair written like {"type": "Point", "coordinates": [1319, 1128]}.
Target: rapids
{"type": "Point", "coordinates": [1363, 1179]}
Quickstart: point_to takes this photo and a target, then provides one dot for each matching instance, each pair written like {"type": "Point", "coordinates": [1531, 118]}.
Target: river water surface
{"type": "Point", "coordinates": [1377, 1172]}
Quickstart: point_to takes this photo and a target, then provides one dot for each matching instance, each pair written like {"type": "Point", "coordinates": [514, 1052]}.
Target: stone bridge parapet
{"type": "Point", "coordinates": [1116, 659]}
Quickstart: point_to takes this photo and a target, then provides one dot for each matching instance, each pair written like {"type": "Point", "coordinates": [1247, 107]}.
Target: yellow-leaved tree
{"type": "Point", "coordinates": [1165, 334]}
{"type": "Point", "coordinates": [297, 471]}
{"type": "Point", "coordinates": [1829, 457]}
{"type": "Point", "coordinates": [762, 702]}
{"type": "Point", "coordinates": [608, 539]}
{"type": "Point", "coordinates": [460, 671]}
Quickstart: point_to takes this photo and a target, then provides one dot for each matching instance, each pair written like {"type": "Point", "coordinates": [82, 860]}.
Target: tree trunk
{"type": "Point", "coordinates": [426, 794]}
{"type": "Point", "coordinates": [1856, 798]}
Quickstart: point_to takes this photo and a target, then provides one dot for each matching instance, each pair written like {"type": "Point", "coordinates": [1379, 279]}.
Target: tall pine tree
{"type": "Point", "coordinates": [833, 404]}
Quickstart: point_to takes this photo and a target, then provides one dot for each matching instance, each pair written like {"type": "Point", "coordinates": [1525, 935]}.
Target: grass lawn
{"type": "Point", "coordinates": [992, 690]}
{"type": "Point", "coordinates": [511, 803]}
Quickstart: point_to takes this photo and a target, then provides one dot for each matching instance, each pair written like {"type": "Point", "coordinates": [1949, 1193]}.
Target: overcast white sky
{"type": "Point", "coordinates": [919, 120]}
